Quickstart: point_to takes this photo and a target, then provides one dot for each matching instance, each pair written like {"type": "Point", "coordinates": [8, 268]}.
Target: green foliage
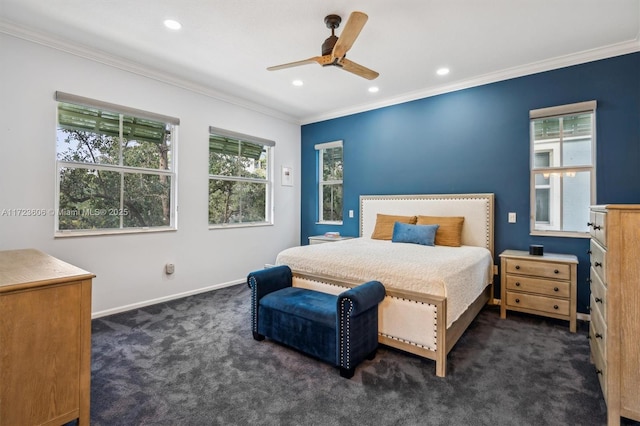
{"type": "Point", "coordinates": [332, 202]}
{"type": "Point", "coordinates": [108, 196]}
{"type": "Point", "coordinates": [332, 184]}
{"type": "Point", "coordinates": [237, 188]}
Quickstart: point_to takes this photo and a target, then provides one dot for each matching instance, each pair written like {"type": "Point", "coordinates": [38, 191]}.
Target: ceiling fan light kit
{"type": "Point", "coordinates": [334, 49]}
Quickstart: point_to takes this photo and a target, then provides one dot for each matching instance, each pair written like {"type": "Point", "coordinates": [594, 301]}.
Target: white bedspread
{"type": "Point", "coordinates": [457, 273]}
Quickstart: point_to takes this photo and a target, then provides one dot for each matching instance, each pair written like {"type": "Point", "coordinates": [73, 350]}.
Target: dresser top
{"type": "Point", "coordinates": [33, 268]}
{"type": "Point", "coordinates": [616, 207]}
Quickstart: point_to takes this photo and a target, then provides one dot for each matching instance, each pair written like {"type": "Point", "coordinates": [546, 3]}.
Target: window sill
{"type": "Point", "coordinates": [239, 225]}
{"type": "Point", "coordinates": [327, 222]}
{"type": "Point", "coordinates": [101, 232]}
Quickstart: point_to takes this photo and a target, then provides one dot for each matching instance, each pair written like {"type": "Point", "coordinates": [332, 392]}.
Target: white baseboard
{"type": "Point", "coordinates": [583, 317]}
{"type": "Point", "coordinates": [142, 304]}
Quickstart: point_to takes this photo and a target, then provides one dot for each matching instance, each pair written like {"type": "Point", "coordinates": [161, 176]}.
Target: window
{"type": "Point", "coordinates": [330, 182]}
{"type": "Point", "coordinates": [562, 168]}
{"type": "Point", "coordinates": [240, 183]}
{"type": "Point", "coordinates": [115, 168]}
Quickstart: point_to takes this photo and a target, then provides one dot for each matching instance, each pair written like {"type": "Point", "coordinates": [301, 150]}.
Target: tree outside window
{"type": "Point", "coordinates": [115, 170]}
{"type": "Point", "coordinates": [239, 179]}
{"type": "Point", "coordinates": [330, 172]}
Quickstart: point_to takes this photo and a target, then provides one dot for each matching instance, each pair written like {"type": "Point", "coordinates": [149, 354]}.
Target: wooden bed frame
{"type": "Point", "coordinates": [412, 321]}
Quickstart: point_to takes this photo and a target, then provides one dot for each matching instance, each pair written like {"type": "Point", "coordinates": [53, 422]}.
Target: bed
{"type": "Point", "coordinates": [434, 292]}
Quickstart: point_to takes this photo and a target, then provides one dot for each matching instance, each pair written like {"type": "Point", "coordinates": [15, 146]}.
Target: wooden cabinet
{"type": "Point", "coordinates": [614, 331]}
{"type": "Point", "coordinates": [45, 340]}
{"type": "Point", "coordinates": [542, 285]}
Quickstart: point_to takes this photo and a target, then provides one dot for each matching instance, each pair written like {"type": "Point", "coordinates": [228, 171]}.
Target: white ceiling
{"type": "Point", "coordinates": [224, 47]}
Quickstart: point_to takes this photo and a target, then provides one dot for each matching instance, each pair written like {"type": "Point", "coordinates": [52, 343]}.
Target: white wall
{"type": "Point", "coordinates": [130, 268]}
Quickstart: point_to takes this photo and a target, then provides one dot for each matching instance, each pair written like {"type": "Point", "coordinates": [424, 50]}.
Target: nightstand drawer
{"type": "Point", "coordinates": [538, 303]}
{"type": "Point", "coordinates": [539, 286]}
{"type": "Point", "coordinates": [539, 268]}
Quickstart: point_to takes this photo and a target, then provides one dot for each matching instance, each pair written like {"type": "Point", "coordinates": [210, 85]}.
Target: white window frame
{"type": "Point", "coordinates": [269, 146]}
{"type": "Point", "coordinates": [555, 174]}
{"type": "Point", "coordinates": [171, 173]}
{"type": "Point", "coordinates": [322, 183]}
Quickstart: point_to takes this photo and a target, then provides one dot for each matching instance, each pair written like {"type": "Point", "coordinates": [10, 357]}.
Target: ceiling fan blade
{"type": "Point", "coordinates": [315, 59]}
{"type": "Point", "coordinates": [358, 69]}
{"type": "Point", "coordinates": [349, 34]}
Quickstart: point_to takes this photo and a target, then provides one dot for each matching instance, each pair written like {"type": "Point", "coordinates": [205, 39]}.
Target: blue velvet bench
{"type": "Point", "coordinates": [341, 330]}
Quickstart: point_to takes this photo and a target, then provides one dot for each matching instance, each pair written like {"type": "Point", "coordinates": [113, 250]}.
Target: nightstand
{"type": "Point", "coordinates": [541, 285]}
{"type": "Point", "coordinates": [319, 239]}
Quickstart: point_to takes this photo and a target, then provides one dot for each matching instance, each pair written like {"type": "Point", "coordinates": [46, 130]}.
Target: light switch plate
{"type": "Point", "coordinates": [512, 217]}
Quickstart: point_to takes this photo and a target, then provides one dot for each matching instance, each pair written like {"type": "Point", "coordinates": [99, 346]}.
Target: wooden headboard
{"type": "Point", "coordinates": [477, 210]}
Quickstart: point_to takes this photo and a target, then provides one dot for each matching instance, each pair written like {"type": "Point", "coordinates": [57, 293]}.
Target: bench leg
{"type": "Point", "coordinates": [372, 355]}
{"type": "Point", "coordinates": [347, 373]}
{"type": "Point", "coordinates": [257, 336]}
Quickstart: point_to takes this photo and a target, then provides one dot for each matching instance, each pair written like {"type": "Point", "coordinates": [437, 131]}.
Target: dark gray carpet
{"type": "Point", "coordinates": [193, 362]}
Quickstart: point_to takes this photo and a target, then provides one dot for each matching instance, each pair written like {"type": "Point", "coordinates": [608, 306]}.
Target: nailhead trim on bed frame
{"type": "Point", "coordinates": [409, 342]}
{"type": "Point", "coordinates": [435, 333]}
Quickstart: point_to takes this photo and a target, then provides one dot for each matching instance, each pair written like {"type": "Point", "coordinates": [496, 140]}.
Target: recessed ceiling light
{"type": "Point", "coordinates": [373, 89]}
{"type": "Point", "coordinates": [297, 83]}
{"type": "Point", "coordinates": [172, 24]}
{"type": "Point", "coordinates": [442, 71]}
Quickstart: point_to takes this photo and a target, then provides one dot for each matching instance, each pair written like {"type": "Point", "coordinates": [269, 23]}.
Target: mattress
{"type": "Point", "coordinates": [458, 273]}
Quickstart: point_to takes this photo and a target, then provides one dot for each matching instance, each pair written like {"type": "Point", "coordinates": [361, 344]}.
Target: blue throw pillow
{"type": "Point", "coordinates": [415, 234]}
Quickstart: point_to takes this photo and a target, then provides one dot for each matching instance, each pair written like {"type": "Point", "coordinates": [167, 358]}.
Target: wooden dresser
{"type": "Point", "coordinates": [614, 331]}
{"type": "Point", "coordinates": [45, 340]}
{"type": "Point", "coordinates": [541, 285]}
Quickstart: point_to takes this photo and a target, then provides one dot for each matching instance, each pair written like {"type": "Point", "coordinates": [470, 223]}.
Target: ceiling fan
{"type": "Point", "coordinates": [334, 49]}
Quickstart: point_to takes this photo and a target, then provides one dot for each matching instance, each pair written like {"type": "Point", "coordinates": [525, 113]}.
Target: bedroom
{"type": "Point", "coordinates": [401, 152]}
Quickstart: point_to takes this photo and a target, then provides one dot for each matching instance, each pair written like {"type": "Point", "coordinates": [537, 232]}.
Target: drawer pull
{"type": "Point", "coordinates": [517, 283]}
{"type": "Point", "coordinates": [596, 227]}
{"type": "Point", "coordinates": [589, 251]}
{"type": "Point", "coordinates": [556, 289]}
{"type": "Point", "coordinates": [555, 271]}
{"type": "Point", "coordinates": [597, 264]}
{"type": "Point", "coordinates": [598, 371]}
{"type": "Point", "coordinates": [517, 266]}
{"type": "Point", "coordinates": [555, 307]}
{"type": "Point", "coordinates": [517, 300]}
{"type": "Point", "coordinates": [598, 336]}
{"type": "Point", "coordinates": [598, 300]}
{"type": "Point", "coordinates": [589, 224]}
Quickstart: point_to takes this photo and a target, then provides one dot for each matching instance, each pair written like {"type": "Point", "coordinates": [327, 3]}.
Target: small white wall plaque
{"type": "Point", "coordinates": [287, 176]}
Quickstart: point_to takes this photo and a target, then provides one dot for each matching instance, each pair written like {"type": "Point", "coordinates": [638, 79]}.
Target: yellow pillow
{"type": "Point", "coordinates": [450, 231]}
{"type": "Point", "coordinates": [384, 225]}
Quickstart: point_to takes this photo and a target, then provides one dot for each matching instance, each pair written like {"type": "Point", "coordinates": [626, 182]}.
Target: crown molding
{"type": "Point", "coordinates": [610, 51]}
{"type": "Point", "coordinates": [630, 46]}
{"type": "Point", "coordinates": [91, 54]}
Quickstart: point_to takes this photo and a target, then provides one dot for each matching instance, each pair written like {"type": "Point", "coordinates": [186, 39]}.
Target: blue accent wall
{"type": "Point", "coordinates": [477, 140]}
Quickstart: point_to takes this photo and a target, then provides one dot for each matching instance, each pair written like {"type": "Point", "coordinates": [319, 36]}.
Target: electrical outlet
{"type": "Point", "coordinates": [351, 214]}
{"type": "Point", "coordinates": [512, 217]}
{"type": "Point", "coordinates": [170, 268]}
